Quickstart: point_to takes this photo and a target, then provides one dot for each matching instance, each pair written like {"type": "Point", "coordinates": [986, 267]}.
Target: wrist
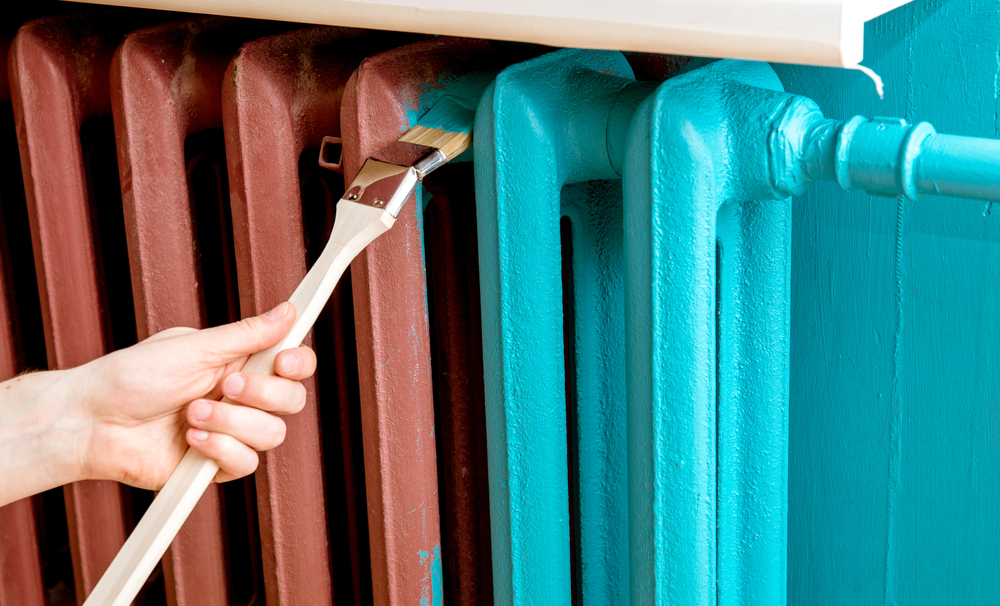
{"type": "Point", "coordinates": [64, 428]}
{"type": "Point", "coordinates": [42, 434]}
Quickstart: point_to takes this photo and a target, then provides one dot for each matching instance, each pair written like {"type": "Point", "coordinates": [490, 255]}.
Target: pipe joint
{"type": "Point", "coordinates": [880, 155]}
{"type": "Point", "coordinates": [625, 104]}
{"type": "Point", "coordinates": [798, 142]}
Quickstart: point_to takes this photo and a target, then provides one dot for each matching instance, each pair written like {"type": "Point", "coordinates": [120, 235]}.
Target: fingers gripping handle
{"type": "Point", "coordinates": [356, 226]}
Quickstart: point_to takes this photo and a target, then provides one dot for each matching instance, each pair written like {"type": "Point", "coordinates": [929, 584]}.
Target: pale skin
{"type": "Point", "coordinates": [130, 416]}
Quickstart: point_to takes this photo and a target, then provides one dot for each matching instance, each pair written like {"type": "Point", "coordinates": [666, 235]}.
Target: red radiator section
{"type": "Point", "coordinates": [20, 570]}
{"type": "Point", "coordinates": [20, 564]}
{"type": "Point", "coordinates": [165, 87]}
{"type": "Point", "coordinates": [282, 95]}
{"type": "Point", "coordinates": [20, 567]}
{"type": "Point", "coordinates": [11, 355]}
{"type": "Point", "coordinates": [393, 332]}
{"type": "Point", "coordinates": [223, 207]}
{"type": "Point", "coordinates": [58, 93]}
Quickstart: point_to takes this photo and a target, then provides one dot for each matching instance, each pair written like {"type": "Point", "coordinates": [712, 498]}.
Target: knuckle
{"type": "Point", "coordinates": [247, 465]}
{"type": "Point", "coordinates": [299, 400]}
{"type": "Point", "coordinates": [250, 329]}
{"type": "Point", "coordinates": [277, 434]}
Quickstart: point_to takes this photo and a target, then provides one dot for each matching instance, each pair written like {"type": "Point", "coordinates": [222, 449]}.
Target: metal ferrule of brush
{"type": "Point", "coordinates": [430, 162]}
{"type": "Point", "coordinates": [388, 186]}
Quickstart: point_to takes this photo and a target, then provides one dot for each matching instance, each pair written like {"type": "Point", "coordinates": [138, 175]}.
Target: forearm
{"type": "Point", "coordinates": [41, 429]}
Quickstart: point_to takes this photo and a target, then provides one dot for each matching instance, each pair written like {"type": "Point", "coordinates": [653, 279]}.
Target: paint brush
{"type": "Point", "coordinates": [368, 209]}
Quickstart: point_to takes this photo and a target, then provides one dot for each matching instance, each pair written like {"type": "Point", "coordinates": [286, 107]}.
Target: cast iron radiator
{"type": "Point", "coordinates": [170, 177]}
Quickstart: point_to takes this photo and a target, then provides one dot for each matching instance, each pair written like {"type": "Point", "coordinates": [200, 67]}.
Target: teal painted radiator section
{"type": "Point", "coordinates": [539, 127]}
{"type": "Point", "coordinates": [707, 295]}
{"type": "Point", "coordinates": [652, 500]}
{"type": "Point", "coordinates": [701, 392]}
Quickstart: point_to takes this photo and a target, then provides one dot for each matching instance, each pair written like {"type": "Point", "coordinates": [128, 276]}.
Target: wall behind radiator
{"type": "Point", "coordinates": [894, 493]}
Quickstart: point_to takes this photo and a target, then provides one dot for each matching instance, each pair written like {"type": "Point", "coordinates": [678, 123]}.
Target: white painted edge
{"type": "Point", "coordinates": [809, 32]}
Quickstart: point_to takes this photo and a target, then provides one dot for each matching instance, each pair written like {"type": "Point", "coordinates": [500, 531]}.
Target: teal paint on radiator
{"type": "Point", "coordinates": [894, 480]}
{"type": "Point", "coordinates": [540, 126]}
{"type": "Point", "coordinates": [437, 580]}
{"type": "Point", "coordinates": [708, 159]}
{"type": "Point", "coordinates": [545, 123]}
{"type": "Point", "coordinates": [707, 468]}
{"type": "Point", "coordinates": [594, 210]}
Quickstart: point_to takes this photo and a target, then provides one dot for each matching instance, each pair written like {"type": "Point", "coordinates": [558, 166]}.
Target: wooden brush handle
{"type": "Point", "coordinates": [356, 226]}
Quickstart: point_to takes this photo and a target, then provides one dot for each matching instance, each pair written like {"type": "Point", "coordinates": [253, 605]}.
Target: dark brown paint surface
{"type": "Point", "coordinates": [452, 253]}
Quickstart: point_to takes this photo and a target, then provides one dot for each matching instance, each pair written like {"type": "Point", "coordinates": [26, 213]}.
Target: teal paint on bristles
{"type": "Point", "coordinates": [446, 126]}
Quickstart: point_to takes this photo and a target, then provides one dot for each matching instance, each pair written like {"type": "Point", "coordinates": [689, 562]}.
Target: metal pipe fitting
{"type": "Point", "coordinates": [883, 156]}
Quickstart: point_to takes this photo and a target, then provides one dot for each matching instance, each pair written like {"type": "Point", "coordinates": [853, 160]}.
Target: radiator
{"type": "Point", "coordinates": [185, 190]}
{"type": "Point", "coordinates": [680, 493]}
{"type": "Point", "coordinates": [545, 384]}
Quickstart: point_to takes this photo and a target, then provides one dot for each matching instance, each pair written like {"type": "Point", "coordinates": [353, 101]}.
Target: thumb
{"type": "Point", "coordinates": [226, 343]}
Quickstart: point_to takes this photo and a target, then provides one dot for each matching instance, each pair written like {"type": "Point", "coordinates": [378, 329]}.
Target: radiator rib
{"type": "Point", "coordinates": [708, 458]}
{"type": "Point", "coordinates": [281, 96]}
{"type": "Point", "coordinates": [20, 565]}
{"type": "Point", "coordinates": [56, 89]}
{"type": "Point", "coordinates": [532, 138]}
{"type": "Point", "coordinates": [383, 98]}
{"type": "Point", "coordinates": [165, 87]}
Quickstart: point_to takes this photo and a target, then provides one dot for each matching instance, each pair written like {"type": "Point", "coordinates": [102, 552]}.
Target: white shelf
{"type": "Point", "coordinates": [812, 32]}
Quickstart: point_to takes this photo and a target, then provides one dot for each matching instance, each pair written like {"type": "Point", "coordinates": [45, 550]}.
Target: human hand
{"type": "Point", "coordinates": [144, 405]}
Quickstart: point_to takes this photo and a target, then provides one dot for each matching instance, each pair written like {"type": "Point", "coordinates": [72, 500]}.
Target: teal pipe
{"type": "Point", "coordinates": [883, 156]}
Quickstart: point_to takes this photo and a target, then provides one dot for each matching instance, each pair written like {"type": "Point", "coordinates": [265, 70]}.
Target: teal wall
{"type": "Point", "coordinates": [894, 412]}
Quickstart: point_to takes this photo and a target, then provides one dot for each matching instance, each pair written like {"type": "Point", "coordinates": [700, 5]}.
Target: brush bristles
{"type": "Point", "coordinates": [450, 144]}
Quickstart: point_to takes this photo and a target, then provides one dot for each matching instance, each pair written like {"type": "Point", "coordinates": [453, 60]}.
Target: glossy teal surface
{"type": "Point", "coordinates": [686, 196]}
{"type": "Point", "coordinates": [706, 295]}
{"type": "Point", "coordinates": [541, 126]}
{"type": "Point", "coordinates": [705, 292]}
{"type": "Point", "coordinates": [894, 479]}
{"type": "Point", "coordinates": [884, 156]}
